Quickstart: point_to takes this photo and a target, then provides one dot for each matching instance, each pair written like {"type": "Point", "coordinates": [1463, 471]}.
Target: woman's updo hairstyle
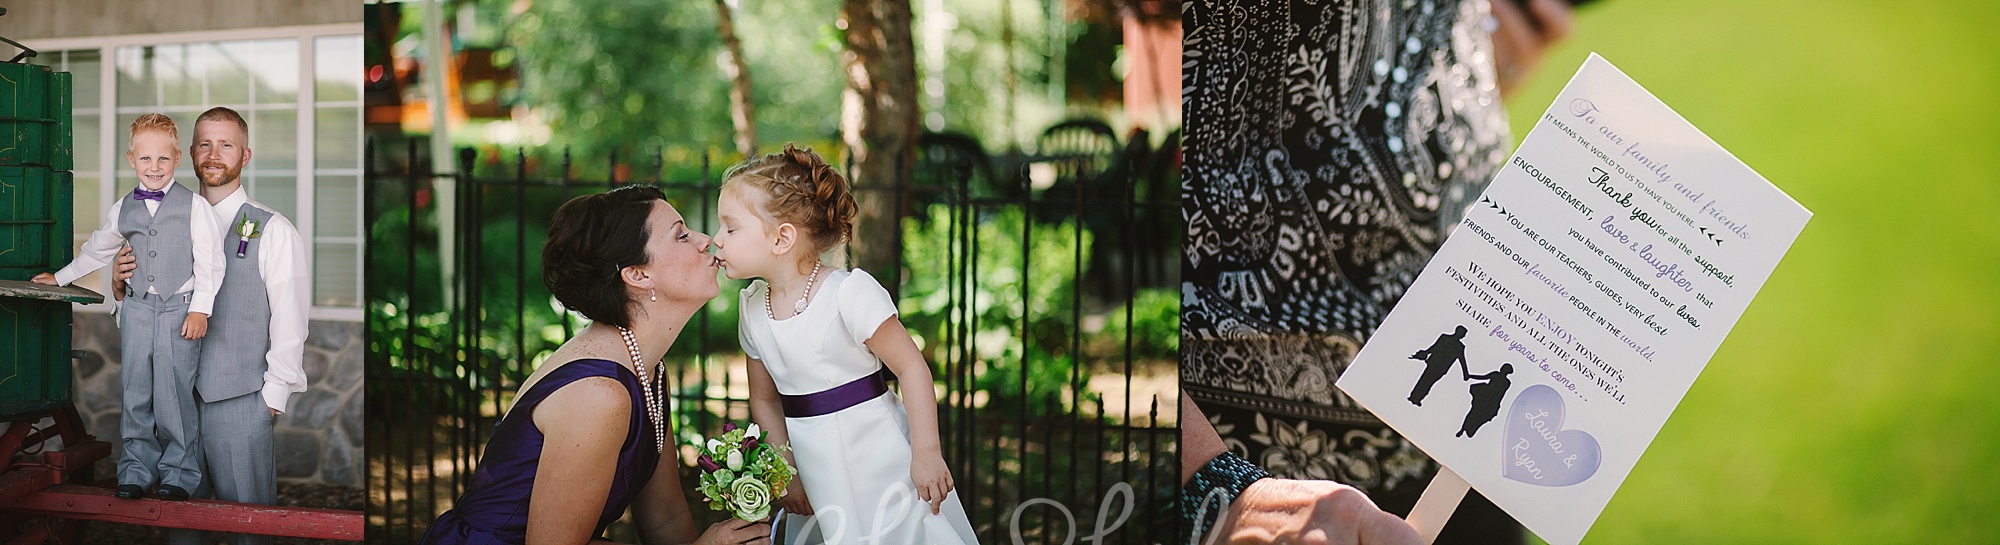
{"type": "Point", "coordinates": [802, 190]}
{"type": "Point", "coordinates": [592, 238]}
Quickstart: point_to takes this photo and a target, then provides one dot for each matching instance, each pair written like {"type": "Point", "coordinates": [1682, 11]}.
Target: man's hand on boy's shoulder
{"type": "Point", "coordinates": [45, 278]}
{"type": "Point", "coordinates": [121, 270]}
{"type": "Point", "coordinates": [195, 327]}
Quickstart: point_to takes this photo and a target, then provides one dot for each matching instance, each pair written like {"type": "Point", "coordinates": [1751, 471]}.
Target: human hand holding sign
{"type": "Point", "coordinates": [1292, 511]}
{"type": "Point", "coordinates": [1285, 510]}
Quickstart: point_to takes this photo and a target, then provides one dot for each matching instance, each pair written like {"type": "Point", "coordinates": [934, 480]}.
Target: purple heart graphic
{"type": "Point", "coordinates": [1536, 450]}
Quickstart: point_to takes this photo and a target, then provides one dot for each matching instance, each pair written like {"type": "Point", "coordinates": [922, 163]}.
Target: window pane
{"type": "Point", "coordinates": [227, 71]}
{"type": "Point", "coordinates": [88, 212]}
{"type": "Point", "coordinates": [337, 68]}
{"type": "Point", "coordinates": [85, 81]}
{"type": "Point", "coordinates": [122, 187]}
{"type": "Point", "coordinates": [279, 192]}
{"type": "Point", "coordinates": [336, 206]}
{"type": "Point", "coordinates": [335, 282]}
{"type": "Point", "coordinates": [86, 131]}
{"type": "Point", "coordinates": [179, 85]}
{"type": "Point", "coordinates": [337, 138]}
{"type": "Point", "coordinates": [274, 68]}
{"type": "Point", "coordinates": [136, 85]}
{"type": "Point", "coordinates": [122, 140]}
{"type": "Point", "coordinates": [274, 139]}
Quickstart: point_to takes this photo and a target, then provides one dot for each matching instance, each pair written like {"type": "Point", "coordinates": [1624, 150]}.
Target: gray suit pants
{"type": "Point", "coordinates": [242, 465]}
{"type": "Point", "coordinates": [160, 425]}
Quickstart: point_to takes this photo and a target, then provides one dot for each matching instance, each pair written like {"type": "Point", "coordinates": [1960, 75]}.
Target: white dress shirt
{"type": "Point", "coordinates": [104, 243]}
{"type": "Point", "coordinates": [281, 260]}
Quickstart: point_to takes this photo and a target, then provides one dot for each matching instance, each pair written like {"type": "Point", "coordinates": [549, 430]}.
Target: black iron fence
{"type": "Point", "coordinates": [1046, 303]}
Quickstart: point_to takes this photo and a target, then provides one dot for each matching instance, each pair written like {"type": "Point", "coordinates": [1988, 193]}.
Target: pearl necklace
{"type": "Point", "coordinates": [651, 398]}
{"type": "Point", "coordinates": [798, 307]}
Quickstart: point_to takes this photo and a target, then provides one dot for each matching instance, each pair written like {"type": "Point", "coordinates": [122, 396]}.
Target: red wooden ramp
{"type": "Point", "coordinates": [100, 504]}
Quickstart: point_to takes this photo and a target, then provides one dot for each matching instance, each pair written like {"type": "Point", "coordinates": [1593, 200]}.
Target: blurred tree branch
{"type": "Point", "coordinates": [742, 111]}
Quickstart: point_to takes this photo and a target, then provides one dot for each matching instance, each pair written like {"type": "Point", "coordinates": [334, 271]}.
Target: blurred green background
{"type": "Point", "coordinates": [1855, 401]}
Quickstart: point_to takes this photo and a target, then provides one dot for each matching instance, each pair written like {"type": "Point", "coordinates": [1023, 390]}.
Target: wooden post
{"type": "Point", "coordinates": [99, 504]}
{"type": "Point", "coordinates": [1440, 499]}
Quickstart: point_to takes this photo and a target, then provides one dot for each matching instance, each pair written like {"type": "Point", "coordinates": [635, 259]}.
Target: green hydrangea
{"type": "Point", "coordinates": [762, 463]}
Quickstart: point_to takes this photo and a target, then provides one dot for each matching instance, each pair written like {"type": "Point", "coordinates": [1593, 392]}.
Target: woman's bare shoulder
{"type": "Point", "coordinates": [594, 401]}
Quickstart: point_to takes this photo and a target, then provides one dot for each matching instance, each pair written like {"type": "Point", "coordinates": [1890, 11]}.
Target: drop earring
{"type": "Point", "coordinates": [656, 295]}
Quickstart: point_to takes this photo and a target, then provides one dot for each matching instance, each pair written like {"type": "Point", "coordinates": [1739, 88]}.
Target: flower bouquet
{"type": "Point", "coordinates": [742, 474]}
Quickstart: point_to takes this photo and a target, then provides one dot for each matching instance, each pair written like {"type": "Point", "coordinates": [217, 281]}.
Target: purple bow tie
{"type": "Point", "coordinates": [140, 194]}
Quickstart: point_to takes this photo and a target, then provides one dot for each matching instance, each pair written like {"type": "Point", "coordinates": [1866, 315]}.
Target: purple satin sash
{"type": "Point", "coordinates": [838, 398]}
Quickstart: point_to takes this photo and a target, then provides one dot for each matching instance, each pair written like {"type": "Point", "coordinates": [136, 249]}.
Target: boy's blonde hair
{"type": "Point", "coordinates": [154, 123]}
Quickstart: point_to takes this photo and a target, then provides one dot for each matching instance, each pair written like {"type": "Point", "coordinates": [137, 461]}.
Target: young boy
{"type": "Point", "coordinates": [173, 234]}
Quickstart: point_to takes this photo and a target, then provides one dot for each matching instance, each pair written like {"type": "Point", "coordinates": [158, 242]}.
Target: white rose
{"type": "Point", "coordinates": [752, 499]}
{"type": "Point", "coordinates": [735, 461]}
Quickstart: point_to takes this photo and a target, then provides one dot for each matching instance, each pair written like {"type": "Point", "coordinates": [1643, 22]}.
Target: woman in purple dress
{"type": "Point", "coordinates": [585, 434]}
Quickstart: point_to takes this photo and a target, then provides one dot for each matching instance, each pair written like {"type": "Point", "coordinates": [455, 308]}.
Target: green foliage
{"type": "Point", "coordinates": [794, 55]}
{"type": "Point", "coordinates": [638, 76]}
{"type": "Point", "coordinates": [1155, 327]}
{"type": "Point", "coordinates": [611, 72]}
{"type": "Point", "coordinates": [1013, 327]}
{"type": "Point", "coordinates": [982, 66]}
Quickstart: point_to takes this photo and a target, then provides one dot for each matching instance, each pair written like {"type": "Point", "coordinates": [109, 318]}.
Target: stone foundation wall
{"type": "Point", "coordinates": [318, 439]}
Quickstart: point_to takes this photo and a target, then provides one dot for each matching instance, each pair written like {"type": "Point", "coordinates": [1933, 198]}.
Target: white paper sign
{"type": "Point", "coordinates": [1546, 343]}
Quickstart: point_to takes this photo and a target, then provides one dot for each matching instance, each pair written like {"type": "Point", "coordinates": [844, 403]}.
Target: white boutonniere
{"type": "Point", "coordinates": [245, 230]}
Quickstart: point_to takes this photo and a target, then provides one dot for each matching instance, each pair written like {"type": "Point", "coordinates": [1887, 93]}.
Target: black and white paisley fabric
{"type": "Point", "coordinates": [1330, 146]}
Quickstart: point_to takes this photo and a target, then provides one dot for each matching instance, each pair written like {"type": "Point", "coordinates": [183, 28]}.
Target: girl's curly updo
{"type": "Point", "coordinates": [800, 189]}
{"type": "Point", "coordinates": [592, 238]}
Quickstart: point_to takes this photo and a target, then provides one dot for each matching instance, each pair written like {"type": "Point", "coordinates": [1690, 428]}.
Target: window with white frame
{"type": "Point", "coordinates": [298, 87]}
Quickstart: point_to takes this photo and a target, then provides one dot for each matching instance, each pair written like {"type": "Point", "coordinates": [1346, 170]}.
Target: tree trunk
{"type": "Point", "coordinates": [879, 124]}
{"type": "Point", "coordinates": [741, 111]}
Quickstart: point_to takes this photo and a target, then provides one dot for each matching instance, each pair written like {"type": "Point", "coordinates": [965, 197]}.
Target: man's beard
{"type": "Point", "coordinates": [218, 179]}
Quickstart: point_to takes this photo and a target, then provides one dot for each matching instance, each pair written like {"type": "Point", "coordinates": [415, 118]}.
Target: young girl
{"type": "Point", "coordinates": [822, 342]}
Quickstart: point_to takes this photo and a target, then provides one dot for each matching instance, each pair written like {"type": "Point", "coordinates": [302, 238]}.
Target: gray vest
{"type": "Point", "coordinates": [162, 241]}
{"type": "Point", "coordinates": [239, 334]}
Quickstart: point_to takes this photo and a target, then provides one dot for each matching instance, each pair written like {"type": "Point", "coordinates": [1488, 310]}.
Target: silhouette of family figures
{"type": "Point", "coordinates": [1486, 395]}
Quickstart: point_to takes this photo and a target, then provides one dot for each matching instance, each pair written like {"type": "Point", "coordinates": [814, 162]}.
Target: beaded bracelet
{"type": "Point", "coordinates": [1206, 497]}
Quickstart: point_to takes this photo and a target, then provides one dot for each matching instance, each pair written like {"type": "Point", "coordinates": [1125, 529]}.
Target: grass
{"type": "Point", "coordinates": [1854, 402]}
